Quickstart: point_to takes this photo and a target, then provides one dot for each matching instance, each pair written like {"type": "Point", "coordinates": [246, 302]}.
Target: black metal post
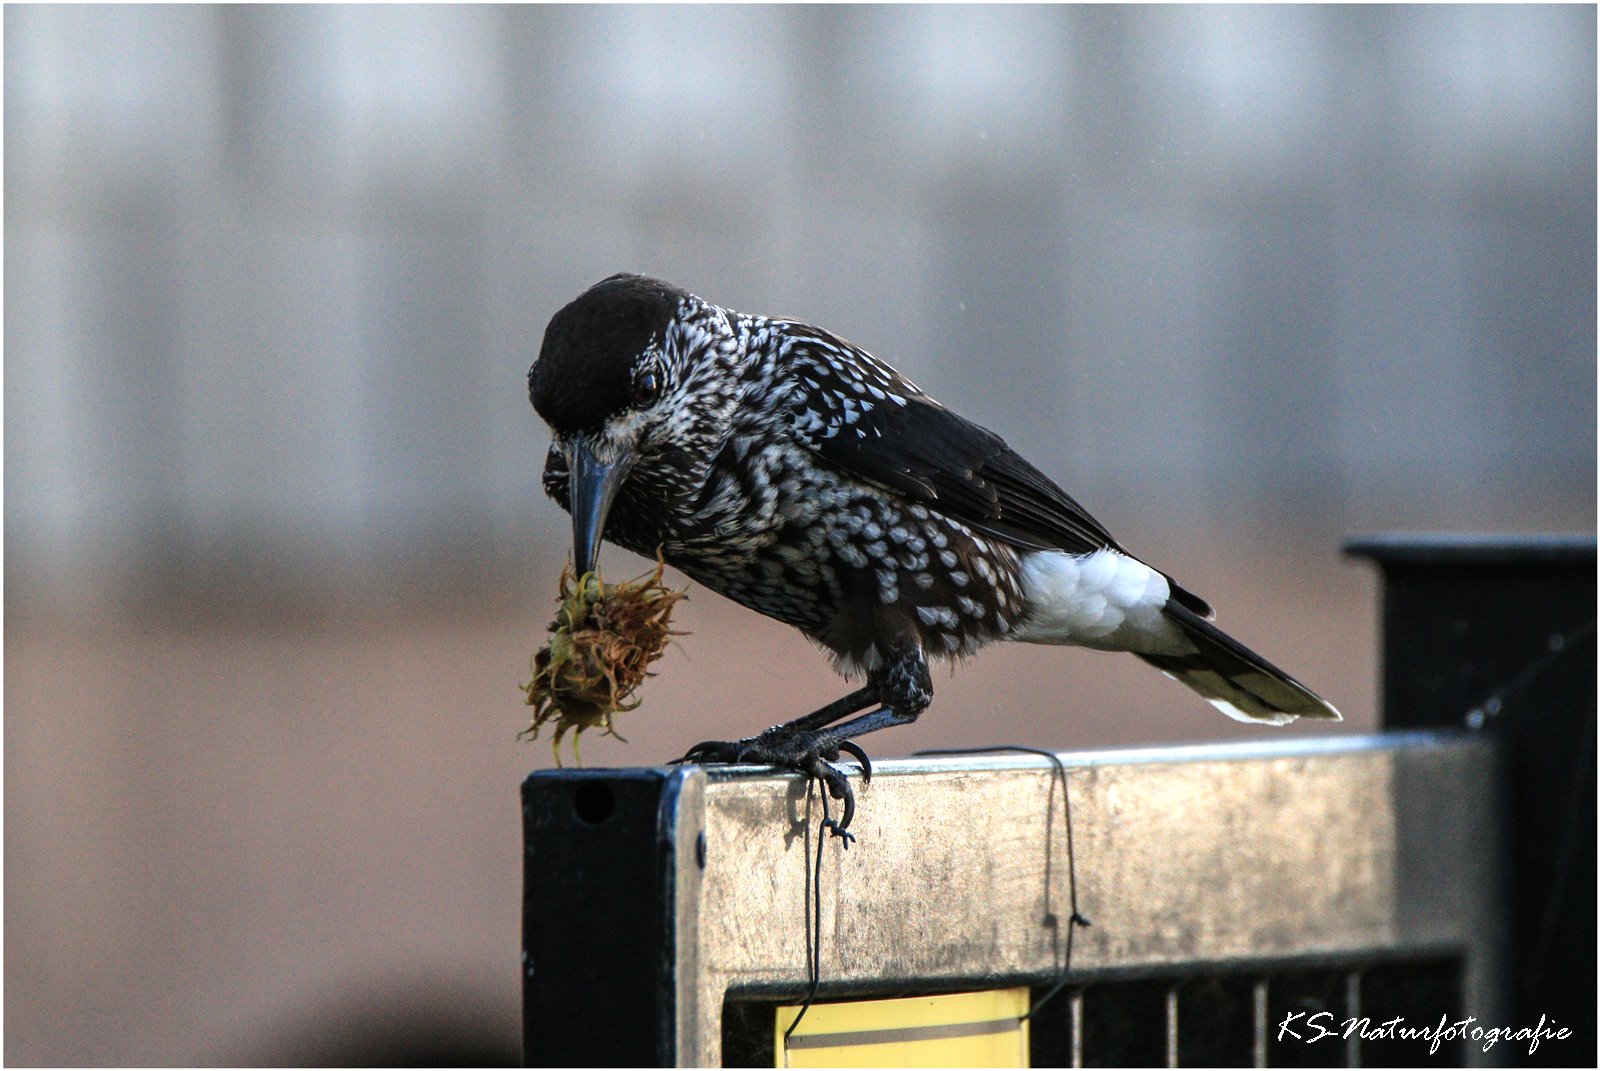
{"type": "Point", "coordinates": [597, 918]}
{"type": "Point", "coordinates": [1497, 634]}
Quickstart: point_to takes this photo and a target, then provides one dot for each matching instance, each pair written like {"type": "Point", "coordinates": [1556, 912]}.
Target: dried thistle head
{"type": "Point", "coordinates": [602, 642]}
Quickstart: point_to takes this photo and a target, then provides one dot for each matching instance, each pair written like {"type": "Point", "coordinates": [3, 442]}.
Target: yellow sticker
{"type": "Point", "coordinates": [955, 1030]}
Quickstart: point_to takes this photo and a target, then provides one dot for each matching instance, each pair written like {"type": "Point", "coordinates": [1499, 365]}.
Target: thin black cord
{"type": "Point", "coordinates": [1076, 918]}
{"type": "Point", "coordinates": [814, 922]}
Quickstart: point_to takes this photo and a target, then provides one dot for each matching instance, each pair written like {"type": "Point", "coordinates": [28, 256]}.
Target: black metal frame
{"type": "Point", "coordinates": [597, 923]}
{"type": "Point", "coordinates": [1496, 634]}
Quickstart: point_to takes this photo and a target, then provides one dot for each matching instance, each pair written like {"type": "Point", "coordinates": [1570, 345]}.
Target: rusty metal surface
{"type": "Point", "coordinates": [1216, 855]}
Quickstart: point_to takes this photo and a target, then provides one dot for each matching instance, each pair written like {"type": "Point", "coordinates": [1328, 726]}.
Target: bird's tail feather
{"type": "Point", "coordinates": [1235, 679]}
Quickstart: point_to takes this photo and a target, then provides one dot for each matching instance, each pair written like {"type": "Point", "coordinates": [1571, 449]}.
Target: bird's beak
{"type": "Point", "coordinates": [593, 485]}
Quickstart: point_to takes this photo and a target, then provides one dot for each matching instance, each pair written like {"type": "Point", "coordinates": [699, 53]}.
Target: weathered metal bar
{"type": "Point", "coordinates": [1216, 857]}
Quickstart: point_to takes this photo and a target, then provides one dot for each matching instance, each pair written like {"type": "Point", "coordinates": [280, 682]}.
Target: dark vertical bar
{"type": "Point", "coordinates": [1124, 1024]}
{"type": "Point", "coordinates": [1305, 1019]}
{"type": "Point", "coordinates": [1497, 634]}
{"type": "Point", "coordinates": [597, 932]}
{"type": "Point", "coordinates": [1052, 1028]}
{"type": "Point", "coordinates": [1216, 1021]}
{"type": "Point", "coordinates": [1414, 996]}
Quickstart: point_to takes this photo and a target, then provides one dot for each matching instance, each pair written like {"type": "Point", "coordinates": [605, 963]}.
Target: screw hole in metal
{"type": "Point", "coordinates": [594, 802]}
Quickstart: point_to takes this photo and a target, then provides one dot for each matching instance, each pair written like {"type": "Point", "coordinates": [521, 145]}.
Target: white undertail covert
{"type": "Point", "coordinates": [1104, 600]}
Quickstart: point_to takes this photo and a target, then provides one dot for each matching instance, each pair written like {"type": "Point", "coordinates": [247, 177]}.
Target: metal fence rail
{"type": "Point", "coordinates": [662, 901]}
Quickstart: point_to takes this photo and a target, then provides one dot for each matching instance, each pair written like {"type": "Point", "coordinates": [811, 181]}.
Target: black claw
{"type": "Point", "coordinates": [709, 751]}
{"type": "Point", "coordinates": [840, 828]}
{"type": "Point", "coordinates": [693, 754]}
{"type": "Point", "coordinates": [838, 786]}
{"type": "Point", "coordinates": [854, 750]}
{"type": "Point", "coordinates": [798, 752]}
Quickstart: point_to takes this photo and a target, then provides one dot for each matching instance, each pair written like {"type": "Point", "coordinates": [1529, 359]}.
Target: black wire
{"type": "Point", "coordinates": [1076, 918]}
{"type": "Point", "coordinates": [814, 922]}
{"type": "Point", "coordinates": [814, 903]}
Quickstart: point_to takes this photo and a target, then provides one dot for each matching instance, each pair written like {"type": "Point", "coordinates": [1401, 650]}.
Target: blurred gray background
{"type": "Point", "coordinates": [1245, 280]}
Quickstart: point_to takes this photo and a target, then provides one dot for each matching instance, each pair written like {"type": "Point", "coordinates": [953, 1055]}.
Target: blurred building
{"type": "Point", "coordinates": [1245, 280]}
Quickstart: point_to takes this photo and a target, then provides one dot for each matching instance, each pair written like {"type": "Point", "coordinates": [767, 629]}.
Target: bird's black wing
{"type": "Point", "coordinates": [860, 415]}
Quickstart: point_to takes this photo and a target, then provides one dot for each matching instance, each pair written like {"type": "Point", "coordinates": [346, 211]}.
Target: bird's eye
{"type": "Point", "coordinates": [647, 386]}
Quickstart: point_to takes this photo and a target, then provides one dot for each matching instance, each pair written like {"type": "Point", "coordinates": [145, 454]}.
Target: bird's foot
{"type": "Point", "coordinates": [811, 754]}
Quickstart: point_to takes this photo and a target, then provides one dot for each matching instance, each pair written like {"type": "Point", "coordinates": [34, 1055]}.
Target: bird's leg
{"type": "Point", "coordinates": [737, 750]}
{"type": "Point", "coordinates": [903, 687]}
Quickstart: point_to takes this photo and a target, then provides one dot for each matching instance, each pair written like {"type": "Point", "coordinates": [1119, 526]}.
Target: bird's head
{"type": "Point", "coordinates": [635, 375]}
